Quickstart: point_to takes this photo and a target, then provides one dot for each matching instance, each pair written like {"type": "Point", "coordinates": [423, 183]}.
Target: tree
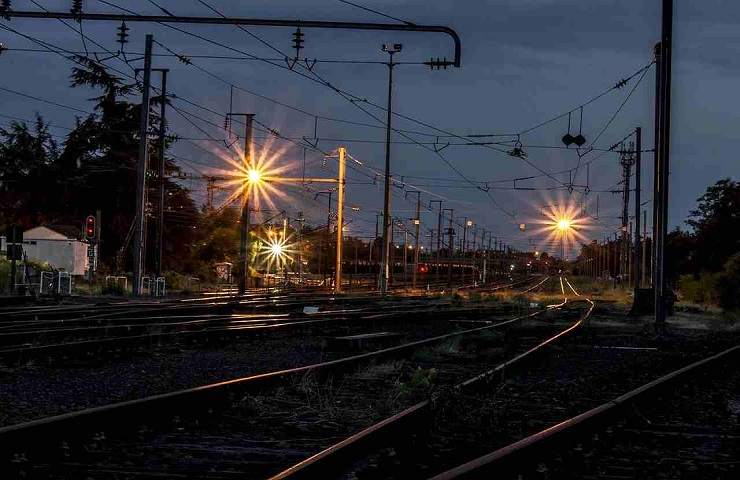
{"type": "Point", "coordinates": [680, 252]}
{"type": "Point", "coordinates": [28, 173]}
{"type": "Point", "coordinates": [729, 284]}
{"type": "Point", "coordinates": [715, 223]}
{"type": "Point", "coordinates": [95, 170]}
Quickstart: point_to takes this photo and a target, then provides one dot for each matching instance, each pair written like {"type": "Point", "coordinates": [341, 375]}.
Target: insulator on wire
{"type": "Point", "coordinates": [4, 9]}
{"type": "Point", "coordinates": [438, 64]}
{"type": "Point", "coordinates": [298, 41]}
{"type": "Point", "coordinates": [123, 34]}
{"type": "Point", "coordinates": [76, 7]}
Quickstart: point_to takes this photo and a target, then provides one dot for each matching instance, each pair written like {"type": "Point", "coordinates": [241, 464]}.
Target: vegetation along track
{"type": "Point", "coordinates": [198, 429]}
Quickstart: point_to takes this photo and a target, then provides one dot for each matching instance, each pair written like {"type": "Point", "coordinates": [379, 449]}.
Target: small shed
{"type": "Point", "coordinates": [61, 246]}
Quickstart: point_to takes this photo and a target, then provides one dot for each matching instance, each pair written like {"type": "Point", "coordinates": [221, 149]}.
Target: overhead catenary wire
{"type": "Point", "coordinates": [354, 99]}
{"type": "Point", "coordinates": [477, 182]}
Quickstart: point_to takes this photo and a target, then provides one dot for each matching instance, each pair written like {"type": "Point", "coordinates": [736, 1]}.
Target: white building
{"type": "Point", "coordinates": [58, 245]}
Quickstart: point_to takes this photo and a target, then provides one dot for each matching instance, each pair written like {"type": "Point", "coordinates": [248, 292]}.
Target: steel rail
{"type": "Point", "coordinates": [536, 286]}
{"type": "Point", "coordinates": [257, 22]}
{"type": "Point", "coordinates": [152, 406]}
{"type": "Point", "coordinates": [519, 450]}
{"type": "Point", "coordinates": [12, 352]}
{"type": "Point", "coordinates": [314, 466]}
{"type": "Point", "coordinates": [16, 352]}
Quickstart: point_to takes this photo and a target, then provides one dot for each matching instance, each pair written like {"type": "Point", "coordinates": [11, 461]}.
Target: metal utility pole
{"type": "Point", "coordinates": [417, 224]}
{"type": "Point", "coordinates": [484, 256]}
{"type": "Point", "coordinates": [372, 246]}
{"type": "Point", "coordinates": [451, 239]}
{"type": "Point", "coordinates": [300, 247]}
{"type": "Point", "coordinates": [644, 248]}
{"type": "Point", "coordinates": [160, 204]}
{"type": "Point", "coordinates": [638, 190]}
{"type": "Point", "coordinates": [626, 159]}
{"type": "Point", "coordinates": [439, 234]}
{"type": "Point", "coordinates": [324, 265]}
{"type": "Point", "coordinates": [464, 247]}
{"type": "Point", "coordinates": [244, 223]}
{"type": "Point", "coordinates": [141, 168]}
{"type": "Point", "coordinates": [630, 256]}
{"type": "Point", "coordinates": [663, 164]}
{"type": "Point", "coordinates": [387, 184]}
{"type": "Point", "coordinates": [656, 158]}
{"type": "Point", "coordinates": [405, 255]}
{"type": "Point", "coordinates": [340, 219]}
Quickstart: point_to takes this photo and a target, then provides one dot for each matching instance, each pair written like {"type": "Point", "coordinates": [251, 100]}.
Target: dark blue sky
{"type": "Point", "coordinates": [524, 61]}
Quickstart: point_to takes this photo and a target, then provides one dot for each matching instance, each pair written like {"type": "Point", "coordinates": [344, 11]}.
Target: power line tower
{"type": "Point", "coordinates": [627, 160]}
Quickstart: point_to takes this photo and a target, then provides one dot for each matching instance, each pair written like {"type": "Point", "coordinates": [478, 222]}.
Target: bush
{"type": "Point", "coordinates": [4, 274]}
{"type": "Point", "coordinates": [113, 289]}
{"type": "Point", "coordinates": [701, 290]}
{"type": "Point", "coordinates": [728, 284]}
{"type": "Point", "coordinates": [475, 297]}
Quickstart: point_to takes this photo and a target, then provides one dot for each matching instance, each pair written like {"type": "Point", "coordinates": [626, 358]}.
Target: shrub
{"type": "Point", "coordinates": [113, 289]}
{"type": "Point", "coordinates": [701, 290]}
{"type": "Point", "coordinates": [4, 274]}
{"type": "Point", "coordinates": [475, 297]}
{"type": "Point", "coordinates": [728, 284]}
{"type": "Point", "coordinates": [457, 299]}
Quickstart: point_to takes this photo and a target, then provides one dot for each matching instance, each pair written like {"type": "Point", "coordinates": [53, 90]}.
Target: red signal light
{"type": "Point", "coordinates": [90, 230]}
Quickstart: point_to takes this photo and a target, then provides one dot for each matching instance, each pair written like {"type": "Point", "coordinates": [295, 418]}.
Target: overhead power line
{"type": "Point", "coordinates": [367, 9]}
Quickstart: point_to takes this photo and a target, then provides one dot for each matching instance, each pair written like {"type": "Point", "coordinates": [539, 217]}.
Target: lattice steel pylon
{"type": "Point", "coordinates": [627, 160]}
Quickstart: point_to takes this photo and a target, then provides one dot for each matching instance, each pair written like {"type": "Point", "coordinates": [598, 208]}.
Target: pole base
{"type": "Point", "coordinates": [644, 302]}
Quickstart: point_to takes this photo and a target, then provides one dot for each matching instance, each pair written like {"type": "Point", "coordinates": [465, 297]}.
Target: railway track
{"type": "Point", "coordinates": [25, 340]}
{"type": "Point", "coordinates": [345, 458]}
{"type": "Point", "coordinates": [166, 415]}
{"type": "Point", "coordinates": [685, 424]}
{"type": "Point", "coordinates": [494, 413]}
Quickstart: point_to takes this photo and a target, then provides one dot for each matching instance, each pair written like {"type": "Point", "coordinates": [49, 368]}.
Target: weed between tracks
{"type": "Point", "coordinates": [365, 396]}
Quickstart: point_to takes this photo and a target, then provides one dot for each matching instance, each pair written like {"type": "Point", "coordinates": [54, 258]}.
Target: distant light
{"type": "Point", "coordinates": [276, 249]}
{"type": "Point", "coordinates": [416, 221]}
{"type": "Point", "coordinates": [469, 223]}
{"type": "Point", "coordinates": [564, 224]}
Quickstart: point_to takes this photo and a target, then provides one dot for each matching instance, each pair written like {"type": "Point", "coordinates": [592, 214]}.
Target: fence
{"type": "Point", "coordinates": [55, 283]}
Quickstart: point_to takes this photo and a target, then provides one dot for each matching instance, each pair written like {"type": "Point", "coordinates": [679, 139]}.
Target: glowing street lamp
{"type": "Point", "coordinates": [564, 224]}
{"type": "Point", "coordinates": [254, 176]}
